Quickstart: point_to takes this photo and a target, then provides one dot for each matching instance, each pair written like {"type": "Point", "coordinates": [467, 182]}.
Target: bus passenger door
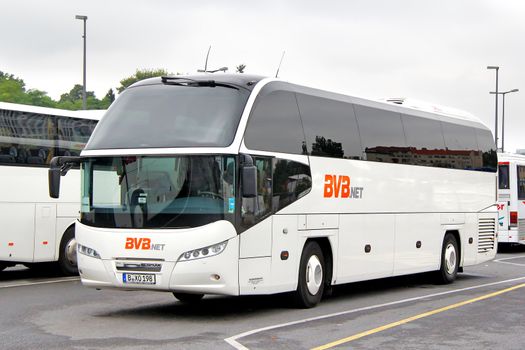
{"type": "Point", "coordinates": [45, 228]}
{"type": "Point", "coordinates": [256, 240]}
{"type": "Point", "coordinates": [519, 221]}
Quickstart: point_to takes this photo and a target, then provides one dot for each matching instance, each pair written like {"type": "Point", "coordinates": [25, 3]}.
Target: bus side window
{"type": "Point", "coordinates": [503, 177]}
{"type": "Point", "coordinates": [257, 208]}
{"type": "Point", "coordinates": [521, 182]}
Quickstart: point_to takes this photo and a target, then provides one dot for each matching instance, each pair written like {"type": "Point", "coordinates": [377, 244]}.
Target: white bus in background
{"type": "Point", "coordinates": [237, 185]}
{"type": "Point", "coordinates": [34, 227]}
{"type": "Point", "coordinates": [511, 198]}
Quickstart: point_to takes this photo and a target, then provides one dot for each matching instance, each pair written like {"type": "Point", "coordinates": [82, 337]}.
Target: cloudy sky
{"type": "Point", "coordinates": [435, 51]}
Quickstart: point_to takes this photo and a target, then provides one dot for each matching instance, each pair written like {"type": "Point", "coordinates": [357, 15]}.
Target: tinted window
{"type": "Point", "coordinates": [423, 133]}
{"type": "Point", "coordinates": [73, 134]}
{"type": "Point", "coordinates": [462, 147]}
{"type": "Point", "coordinates": [521, 182]}
{"type": "Point", "coordinates": [171, 116]}
{"type": "Point", "coordinates": [459, 137]}
{"type": "Point", "coordinates": [256, 209]}
{"type": "Point", "coordinates": [382, 135]}
{"type": "Point", "coordinates": [330, 127]}
{"type": "Point", "coordinates": [488, 149]}
{"type": "Point", "coordinates": [274, 124]}
{"type": "Point", "coordinates": [503, 177]}
{"type": "Point", "coordinates": [26, 138]}
{"type": "Point", "coordinates": [425, 141]}
{"type": "Point", "coordinates": [291, 181]}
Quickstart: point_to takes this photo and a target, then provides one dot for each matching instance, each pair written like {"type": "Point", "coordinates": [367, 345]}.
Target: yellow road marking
{"type": "Point", "coordinates": [416, 317]}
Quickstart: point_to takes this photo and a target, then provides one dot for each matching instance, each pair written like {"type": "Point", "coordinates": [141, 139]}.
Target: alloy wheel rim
{"type": "Point", "coordinates": [314, 275]}
{"type": "Point", "coordinates": [71, 251]}
{"type": "Point", "coordinates": [450, 258]}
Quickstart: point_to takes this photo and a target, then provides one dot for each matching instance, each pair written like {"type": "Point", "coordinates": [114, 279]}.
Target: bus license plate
{"type": "Point", "coordinates": [138, 278]}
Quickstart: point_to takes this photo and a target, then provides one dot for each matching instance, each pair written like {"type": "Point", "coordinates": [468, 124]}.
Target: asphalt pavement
{"type": "Point", "coordinates": [483, 309]}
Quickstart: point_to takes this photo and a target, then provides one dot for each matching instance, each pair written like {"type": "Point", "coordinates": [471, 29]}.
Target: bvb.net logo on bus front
{"type": "Point", "coordinates": [338, 186]}
{"type": "Point", "coordinates": [142, 244]}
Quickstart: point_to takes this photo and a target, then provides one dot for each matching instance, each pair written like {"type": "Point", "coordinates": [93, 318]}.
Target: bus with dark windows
{"type": "Point", "coordinates": [35, 228]}
{"type": "Point", "coordinates": [239, 184]}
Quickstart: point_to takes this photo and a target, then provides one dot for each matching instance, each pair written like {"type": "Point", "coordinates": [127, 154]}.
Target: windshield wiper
{"type": "Point", "coordinates": [192, 82]}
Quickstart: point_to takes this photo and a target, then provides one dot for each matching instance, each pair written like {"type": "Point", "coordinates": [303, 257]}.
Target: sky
{"type": "Point", "coordinates": [433, 51]}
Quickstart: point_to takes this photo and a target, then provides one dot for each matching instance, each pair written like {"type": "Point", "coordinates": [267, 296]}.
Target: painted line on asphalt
{"type": "Point", "coordinates": [504, 260]}
{"type": "Point", "coordinates": [24, 284]}
{"type": "Point", "coordinates": [414, 318]}
{"type": "Point", "coordinates": [233, 340]}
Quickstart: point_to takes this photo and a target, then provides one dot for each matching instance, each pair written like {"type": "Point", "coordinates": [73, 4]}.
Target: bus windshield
{"type": "Point", "coordinates": [157, 192]}
{"type": "Point", "coordinates": [164, 116]}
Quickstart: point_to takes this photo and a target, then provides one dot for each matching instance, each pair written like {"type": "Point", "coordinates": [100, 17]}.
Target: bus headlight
{"type": "Point", "coordinates": [82, 249]}
{"type": "Point", "coordinates": [205, 252]}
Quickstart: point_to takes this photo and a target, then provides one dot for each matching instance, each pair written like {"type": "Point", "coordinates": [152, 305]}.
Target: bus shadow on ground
{"type": "Point", "coordinates": [511, 248]}
{"type": "Point", "coordinates": [39, 271]}
{"type": "Point", "coordinates": [231, 308]}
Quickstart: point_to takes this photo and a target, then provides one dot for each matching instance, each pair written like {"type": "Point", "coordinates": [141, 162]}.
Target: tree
{"type": "Point", "coordinates": [240, 68]}
{"type": "Point", "coordinates": [141, 74]}
{"type": "Point", "coordinates": [110, 96]}
{"type": "Point", "coordinates": [13, 89]}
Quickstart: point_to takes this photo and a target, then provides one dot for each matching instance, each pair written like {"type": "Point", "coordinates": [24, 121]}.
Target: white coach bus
{"type": "Point", "coordinates": [35, 228]}
{"type": "Point", "coordinates": [237, 184]}
{"type": "Point", "coordinates": [511, 198]}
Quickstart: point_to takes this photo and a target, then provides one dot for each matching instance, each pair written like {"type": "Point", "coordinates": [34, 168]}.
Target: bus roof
{"type": "Point", "coordinates": [247, 81]}
{"type": "Point", "coordinates": [94, 114]}
{"type": "Point", "coordinates": [511, 157]}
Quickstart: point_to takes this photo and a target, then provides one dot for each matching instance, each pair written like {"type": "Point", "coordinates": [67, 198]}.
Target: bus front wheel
{"type": "Point", "coordinates": [311, 276]}
{"type": "Point", "coordinates": [449, 260]}
{"type": "Point", "coordinates": [188, 298]}
{"type": "Point", "coordinates": [67, 260]}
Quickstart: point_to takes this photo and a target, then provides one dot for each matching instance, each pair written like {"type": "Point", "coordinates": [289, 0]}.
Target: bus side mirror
{"type": "Point", "coordinates": [54, 182]}
{"type": "Point", "coordinates": [59, 166]}
{"type": "Point", "coordinates": [249, 177]}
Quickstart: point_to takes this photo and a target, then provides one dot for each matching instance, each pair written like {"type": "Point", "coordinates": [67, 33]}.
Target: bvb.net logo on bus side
{"type": "Point", "coordinates": [338, 186]}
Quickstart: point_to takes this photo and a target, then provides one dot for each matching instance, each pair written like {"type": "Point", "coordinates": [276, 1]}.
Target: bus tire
{"type": "Point", "coordinates": [312, 271]}
{"type": "Point", "coordinates": [449, 260]}
{"type": "Point", "coordinates": [67, 259]}
{"type": "Point", "coordinates": [188, 298]}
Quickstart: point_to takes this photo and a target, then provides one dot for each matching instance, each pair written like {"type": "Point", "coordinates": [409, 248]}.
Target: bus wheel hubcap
{"type": "Point", "coordinates": [450, 259]}
{"type": "Point", "coordinates": [314, 275]}
{"type": "Point", "coordinates": [71, 252]}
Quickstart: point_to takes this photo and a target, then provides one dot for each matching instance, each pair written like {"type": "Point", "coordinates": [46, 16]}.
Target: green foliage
{"type": "Point", "coordinates": [12, 89]}
{"type": "Point", "coordinates": [240, 68]}
{"type": "Point", "coordinates": [141, 74]}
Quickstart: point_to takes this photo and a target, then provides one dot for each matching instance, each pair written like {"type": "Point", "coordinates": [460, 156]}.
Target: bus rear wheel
{"type": "Point", "coordinates": [67, 260]}
{"type": "Point", "coordinates": [188, 298]}
{"type": "Point", "coordinates": [449, 260]}
{"type": "Point", "coordinates": [311, 276]}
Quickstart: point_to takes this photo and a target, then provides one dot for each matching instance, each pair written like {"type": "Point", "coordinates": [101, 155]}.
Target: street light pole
{"type": "Point", "coordinates": [503, 115]}
{"type": "Point", "coordinates": [496, 116]}
{"type": "Point", "coordinates": [84, 103]}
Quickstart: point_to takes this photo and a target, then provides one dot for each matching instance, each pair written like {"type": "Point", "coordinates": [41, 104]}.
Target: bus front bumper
{"type": "Point", "coordinates": [217, 274]}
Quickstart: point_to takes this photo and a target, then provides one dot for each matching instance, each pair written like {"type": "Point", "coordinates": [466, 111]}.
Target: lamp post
{"type": "Point", "coordinates": [84, 104]}
{"type": "Point", "coordinates": [496, 117]}
{"type": "Point", "coordinates": [503, 115]}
